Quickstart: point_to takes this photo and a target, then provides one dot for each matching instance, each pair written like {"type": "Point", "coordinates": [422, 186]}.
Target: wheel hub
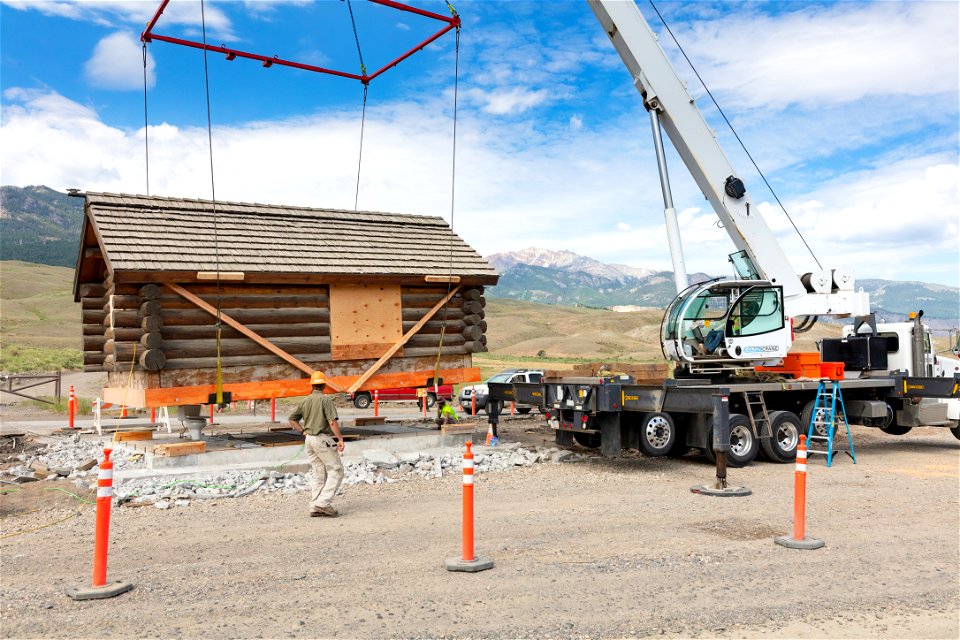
{"type": "Point", "coordinates": [739, 440]}
{"type": "Point", "coordinates": [657, 432]}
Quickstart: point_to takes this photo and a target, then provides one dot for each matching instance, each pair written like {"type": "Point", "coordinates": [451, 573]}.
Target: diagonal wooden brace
{"type": "Point", "coordinates": [402, 341]}
{"type": "Point", "coordinates": [256, 337]}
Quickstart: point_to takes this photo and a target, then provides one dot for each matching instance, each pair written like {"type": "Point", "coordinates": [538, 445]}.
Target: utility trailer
{"type": "Point", "coordinates": [613, 412]}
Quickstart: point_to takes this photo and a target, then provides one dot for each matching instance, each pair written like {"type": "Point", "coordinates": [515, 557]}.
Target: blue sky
{"type": "Point", "coordinates": [852, 110]}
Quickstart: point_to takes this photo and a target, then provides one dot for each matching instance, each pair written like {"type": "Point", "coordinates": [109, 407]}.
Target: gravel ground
{"type": "Point", "coordinates": [595, 548]}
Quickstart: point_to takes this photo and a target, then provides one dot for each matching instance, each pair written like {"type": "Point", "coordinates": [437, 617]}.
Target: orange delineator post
{"type": "Point", "coordinates": [273, 409]}
{"type": "Point", "coordinates": [468, 554]}
{"type": "Point", "coordinates": [153, 414]}
{"type": "Point", "coordinates": [799, 540]}
{"type": "Point", "coordinates": [100, 589]}
{"type": "Point", "coordinates": [473, 404]}
{"type": "Point", "coordinates": [800, 491]}
{"type": "Point", "coordinates": [211, 414]}
{"type": "Point", "coordinates": [376, 403]}
{"type": "Point", "coordinates": [423, 405]}
{"type": "Point", "coordinates": [513, 407]}
{"type": "Point", "coordinates": [468, 560]}
{"type": "Point", "coordinates": [102, 535]}
{"type": "Point", "coordinates": [72, 407]}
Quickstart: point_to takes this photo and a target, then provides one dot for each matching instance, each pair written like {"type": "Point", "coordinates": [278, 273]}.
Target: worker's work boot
{"type": "Point", "coordinates": [329, 512]}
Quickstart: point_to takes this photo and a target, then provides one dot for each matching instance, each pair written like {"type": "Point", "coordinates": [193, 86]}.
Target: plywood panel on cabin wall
{"type": "Point", "coordinates": [365, 320]}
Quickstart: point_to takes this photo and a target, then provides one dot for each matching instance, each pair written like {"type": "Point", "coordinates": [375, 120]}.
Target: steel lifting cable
{"type": "Point", "coordinates": [146, 137]}
{"type": "Point", "coordinates": [363, 112]}
{"type": "Point", "coordinates": [735, 134]}
{"type": "Point", "coordinates": [453, 193]}
{"type": "Point", "coordinates": [213, 194]}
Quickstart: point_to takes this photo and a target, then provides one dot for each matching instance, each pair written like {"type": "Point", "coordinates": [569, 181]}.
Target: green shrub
{"type": "Point", "coordinates": [21, 359]}
{"type": "Point", "coordinates": [84, 405]}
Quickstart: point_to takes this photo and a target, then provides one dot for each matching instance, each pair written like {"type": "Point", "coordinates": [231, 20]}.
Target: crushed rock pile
{"type": "Point", "coordinates": [70, 458]}
{"type": "Point", "coordinates": [77, 460]}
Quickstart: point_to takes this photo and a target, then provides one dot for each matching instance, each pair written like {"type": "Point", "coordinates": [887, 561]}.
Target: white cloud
{"type": "Point", "coordinates": [120, 13]}
{"type": "Point", "coordinates": [403, 26]}
{"type": "Point", "coordinates": [826, 54]}
{"type": "Point", "coordinates": [507, 101]}
{"type": "Point", "coordinates": [117, 63]}
{"type": "Point", "coordinates": [576, 123]}
{"type": "Point", "coordinates": [897, 220]}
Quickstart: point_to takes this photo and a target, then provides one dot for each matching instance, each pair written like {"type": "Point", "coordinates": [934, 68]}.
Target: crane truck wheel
{"type": "Point", "coordinates": [657, 434]}
{"type": "Point", "coordinates": [890, 425]}
{"type": "Point", "coordinates": [805, 417]}
{"type": "Point", "coordinates": [955, 431]}
{"type": "Point", "coordinates": [744, 446]}
{"type": "Point", "coordinates": [680, 446]}
{"type": "Point", "coordinates": [785, 429]}
{"type": "Point", "coordinates": [896, 430]}
{"type": "Point", "coordinates": [361, 400]}
{"type": "Point", "coordinates": [588, 440]}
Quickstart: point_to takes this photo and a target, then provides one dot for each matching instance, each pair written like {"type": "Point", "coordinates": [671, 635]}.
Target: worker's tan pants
{"type": "Point", "coordinates": [327, 469]}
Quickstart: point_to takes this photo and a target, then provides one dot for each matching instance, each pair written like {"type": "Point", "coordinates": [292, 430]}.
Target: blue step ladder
{"type": "Point", "coordinates": [824, 421]}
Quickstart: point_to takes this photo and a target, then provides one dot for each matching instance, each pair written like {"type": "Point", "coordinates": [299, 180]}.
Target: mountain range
{"type": "Point", "coordinates": [41, 225]}
{"type": "Point", "coordinates": [566, 278]}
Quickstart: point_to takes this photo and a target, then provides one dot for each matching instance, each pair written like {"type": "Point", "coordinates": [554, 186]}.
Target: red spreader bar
{"type": "Point", "coordinates": [452, 22]}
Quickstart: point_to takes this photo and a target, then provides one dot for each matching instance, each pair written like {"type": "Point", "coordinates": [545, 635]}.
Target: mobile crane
{"type": "Point", "coordinates": [728, 325]}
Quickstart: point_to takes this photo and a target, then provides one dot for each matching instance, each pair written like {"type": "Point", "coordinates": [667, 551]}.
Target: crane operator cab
{"type": "Point", "coordinates": [724, 325]}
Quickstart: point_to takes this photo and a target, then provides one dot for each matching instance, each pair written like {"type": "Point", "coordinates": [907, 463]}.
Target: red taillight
{"type": "Point", "coordinates": [791, 332]}
{"type": "Point", "coordinates": [584, 419]}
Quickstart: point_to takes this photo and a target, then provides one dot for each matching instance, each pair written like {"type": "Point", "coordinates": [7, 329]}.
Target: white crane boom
{"type": "Point", "coordinates": [665, 96]}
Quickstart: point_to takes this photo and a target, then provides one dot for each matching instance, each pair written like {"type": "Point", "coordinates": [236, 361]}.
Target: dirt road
{"type": "Point", "coordinates": [592, 549]}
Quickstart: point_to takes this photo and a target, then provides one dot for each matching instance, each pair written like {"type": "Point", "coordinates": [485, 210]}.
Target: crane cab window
{"type": "Point", "coordinates": [757, 311]}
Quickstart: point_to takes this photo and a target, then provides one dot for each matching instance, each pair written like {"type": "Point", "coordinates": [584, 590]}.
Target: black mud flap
{"type": "Point", "coordinates": [610, 436]}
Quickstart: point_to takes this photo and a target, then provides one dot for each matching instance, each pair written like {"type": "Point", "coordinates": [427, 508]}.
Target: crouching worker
{"type": "Point", "coordinates": [323, 444]}
{"type": "Point", "coordinates": [445, 413]}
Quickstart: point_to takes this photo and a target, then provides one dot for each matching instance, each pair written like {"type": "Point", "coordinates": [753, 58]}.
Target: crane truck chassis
{"type": "Point", "coordinates": [613, 413]}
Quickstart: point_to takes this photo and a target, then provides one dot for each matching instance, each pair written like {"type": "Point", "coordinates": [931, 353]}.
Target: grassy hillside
{"type": "Point", "coordinates": [37, 306]}
{"type": "Point", "coordinates": [528, 334]}
{"type": "Point", "coordinates": [38, 311]}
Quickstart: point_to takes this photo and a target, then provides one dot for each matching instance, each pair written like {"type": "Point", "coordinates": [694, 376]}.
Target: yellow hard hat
{"type": "Point", "coordinates": [317, 377]}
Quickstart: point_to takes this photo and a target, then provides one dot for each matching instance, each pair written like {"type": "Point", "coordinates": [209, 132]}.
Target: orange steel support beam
{"type": "Point", "coordinates": [256, 337]}
{"type": "Point", "coordinates": [175, 396]}
{"type": "Point", "coordinates": [402, 341]}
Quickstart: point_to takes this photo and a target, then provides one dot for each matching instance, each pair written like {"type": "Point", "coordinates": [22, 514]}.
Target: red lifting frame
{"type": "Point", "coordinates": [452, 22]}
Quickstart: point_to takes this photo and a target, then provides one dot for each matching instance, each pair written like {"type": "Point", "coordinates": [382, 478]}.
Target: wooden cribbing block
{"type": "Point", "coordinates": [458, 429]}
{"type": "Point", "coordinates": [364, 422]}
{"type": "Point", "coordinates": [180, 448]}
{"type": "Point", "coordinates": [135, 435]}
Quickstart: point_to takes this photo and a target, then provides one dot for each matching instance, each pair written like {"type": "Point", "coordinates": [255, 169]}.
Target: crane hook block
{"type": "Point", "coordinates": [734, 187]}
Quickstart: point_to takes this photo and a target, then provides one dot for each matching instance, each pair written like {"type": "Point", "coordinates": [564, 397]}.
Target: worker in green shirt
{"type": "Point", "coordinates": [445, 413]}
{"type": "Point", "coordinates": [321, 426]}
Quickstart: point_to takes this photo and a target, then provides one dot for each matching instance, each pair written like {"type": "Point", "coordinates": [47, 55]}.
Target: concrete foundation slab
{"type": "Point", "coordinates": [292, 457]}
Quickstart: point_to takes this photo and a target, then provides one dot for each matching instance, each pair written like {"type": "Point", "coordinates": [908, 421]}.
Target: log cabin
{"type": "Point", "coordinates": [173, 288]}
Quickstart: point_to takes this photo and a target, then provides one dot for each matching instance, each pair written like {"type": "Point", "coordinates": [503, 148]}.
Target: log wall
{"type": "Point", "coordinates": [150, 329]}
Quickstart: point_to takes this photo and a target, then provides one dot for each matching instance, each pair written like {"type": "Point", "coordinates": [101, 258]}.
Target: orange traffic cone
{"type": "Point", "coordinates": [489, 435]}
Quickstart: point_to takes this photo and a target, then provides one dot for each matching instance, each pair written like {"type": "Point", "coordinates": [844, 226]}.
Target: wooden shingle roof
{"type": "Point", "coordinates": [141, 233]}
